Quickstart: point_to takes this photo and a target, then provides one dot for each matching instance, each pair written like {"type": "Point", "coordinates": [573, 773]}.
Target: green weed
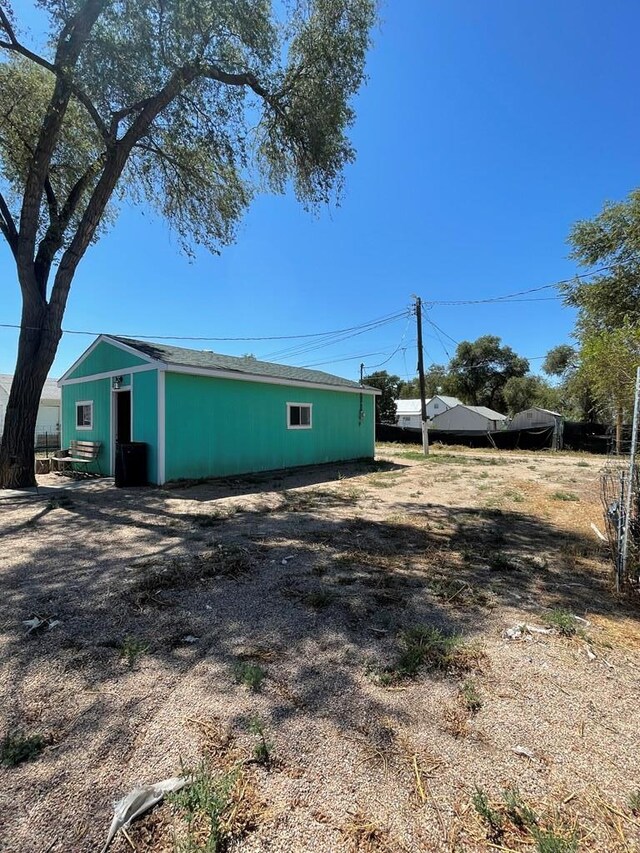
{"type": "Point", "coordinates": [548, 841]}
{"type": "Point", "coordinates": [493, 818]}
{"type": "Point", "coordinates": [471, 698]}
{"type": "Point", "coordinates": [634, 802]}
{"type": "Point", "coordinates": [564, 496]}
{"type": "Point", "coordinates": [562, 621]}
{"type": "Point", "coordinates": [263, 748]}
{"type": "Point", "coordinates": [424, 646]}
{"type": "Point", "coordinates": [17, 747]}
{"type": "Point", "coordinates": [132, 650]}
{"type": "Point", "coordinates": [318, 599]}
{"type": "Point", "coordinates": [203, 804]}
{"type": "Point", "coordinates": [250, 674]}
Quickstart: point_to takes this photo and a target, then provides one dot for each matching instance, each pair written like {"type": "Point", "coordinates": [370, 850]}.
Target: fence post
{"type": "Point", "coordinates": [620, 579]}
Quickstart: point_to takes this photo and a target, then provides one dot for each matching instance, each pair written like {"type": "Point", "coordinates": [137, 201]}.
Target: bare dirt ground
{"type": "Point", "coordinates": [292, 637]}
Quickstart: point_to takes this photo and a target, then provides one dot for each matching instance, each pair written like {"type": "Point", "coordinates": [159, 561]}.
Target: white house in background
{"type": "Point", "coordinates": [408, 411]}
{"type": "Point", "coordinates": [463, 418]}
{"type": "Point", "coordinates": [48, 422]}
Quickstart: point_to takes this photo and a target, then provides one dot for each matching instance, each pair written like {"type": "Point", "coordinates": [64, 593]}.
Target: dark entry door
{"type": "Point", "coordinates": [123, 417]}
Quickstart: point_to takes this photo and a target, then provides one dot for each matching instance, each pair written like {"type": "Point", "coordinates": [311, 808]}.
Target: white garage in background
{"type": "Point", "coordinates": [48, 422]}
{"type": "Point", "coordinates": [408, 411]}
{"type": "Point", "coordinates": [463, 418]}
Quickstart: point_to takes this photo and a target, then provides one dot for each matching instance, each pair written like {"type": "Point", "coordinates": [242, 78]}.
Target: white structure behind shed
{"type": "Point", "coordinates": [463, 418]}
{"type": "Point", "coordinates": [48, 421]}
{"type": "Point", "coordinates": [408, 411]}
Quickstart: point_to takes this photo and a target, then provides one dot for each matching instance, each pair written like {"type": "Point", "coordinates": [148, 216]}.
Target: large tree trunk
{"type": "Point", "coordinates": [36, 350]}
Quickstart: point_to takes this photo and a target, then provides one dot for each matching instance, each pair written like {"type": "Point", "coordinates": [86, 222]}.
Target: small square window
{"type": "Point", "coordinates": [298, 416]}
{"type": "Point", "coordinates": [436, 405]}
{"type": "Point", "coordinates": [84, 414]}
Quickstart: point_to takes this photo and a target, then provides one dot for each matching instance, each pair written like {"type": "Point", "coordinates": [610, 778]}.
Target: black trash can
{"type": "Point", "coordinates": [131, 464]}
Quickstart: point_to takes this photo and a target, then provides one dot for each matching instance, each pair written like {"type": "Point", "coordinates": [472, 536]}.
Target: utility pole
{"type": "Point", "coordinates": [423, 396]}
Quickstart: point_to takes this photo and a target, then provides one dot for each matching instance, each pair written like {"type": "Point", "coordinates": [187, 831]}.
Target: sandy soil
{"type": "Point", "coordinates": [311, 579]}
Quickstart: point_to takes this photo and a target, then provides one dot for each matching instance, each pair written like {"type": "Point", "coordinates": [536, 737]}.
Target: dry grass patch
{"type": "Point", "coordinates": [364, 835]}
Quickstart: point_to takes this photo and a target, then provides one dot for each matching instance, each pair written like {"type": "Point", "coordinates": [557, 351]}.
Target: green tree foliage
{"type": "Point", "coordinates": [480, 370]}
{"type": "Point", "coordinates": [611, 240]}
{"type": "Point", "coordinates": [608, 304]}
{"type": "Point", "coordinates": [436, 381]}
{"type": "Point", "coordinates": [390, 386]}
{"type": "Point", "coordinates": [560, 360]}
{"type": "Point", "coordinates": [522, 392]}
{"type": "Point", "coordinates": [189, 106]}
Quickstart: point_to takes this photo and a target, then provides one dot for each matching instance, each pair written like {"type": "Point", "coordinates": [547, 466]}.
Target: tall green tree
{"type": "Point", "coordinates": [189, 106]}
{"type": "Point", "coordinates": [480, 370]}
{"type": "Point", "coordinates": [608, 303]}
{"type": "Point", "coordinates": [389, 385]}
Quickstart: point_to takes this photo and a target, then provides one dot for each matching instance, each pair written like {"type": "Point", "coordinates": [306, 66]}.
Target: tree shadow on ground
{"type": "Point", "coordinates": [305, 588]}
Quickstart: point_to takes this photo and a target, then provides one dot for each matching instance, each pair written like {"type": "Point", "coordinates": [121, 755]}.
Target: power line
{"type": "Point", "coordinates": [364, 326]}
{"type": "Point", "coordinates": [513, 296]}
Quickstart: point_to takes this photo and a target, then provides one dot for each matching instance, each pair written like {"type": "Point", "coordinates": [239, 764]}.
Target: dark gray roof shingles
{"type": "Point", "coordinates": [243, 365]}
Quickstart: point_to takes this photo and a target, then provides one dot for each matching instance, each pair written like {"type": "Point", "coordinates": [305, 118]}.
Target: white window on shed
{"type": "Point", "coordinates": [529, 416]}
{"type": "Point", "coordinates": [406, 419]}
{"type": "Point", "coordinates": [299, 416]}
{"type": "Point", "coordinates": [84, 414]}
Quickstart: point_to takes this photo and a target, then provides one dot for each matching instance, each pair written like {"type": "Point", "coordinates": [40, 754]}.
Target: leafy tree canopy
{"type": "Point", "coordinates": [190, 106]}
{"type": "Point", "coordinates": [390, 386]}
{"type": "Point", "coordinates": [612, 240]}
{"type": "Point", "coordinates": [480, 369]}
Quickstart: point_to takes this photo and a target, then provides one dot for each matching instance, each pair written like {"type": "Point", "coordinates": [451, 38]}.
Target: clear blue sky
{"type": "Point", "coordinates": [485, 129]}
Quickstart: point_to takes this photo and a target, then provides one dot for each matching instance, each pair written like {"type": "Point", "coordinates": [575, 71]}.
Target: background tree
{"type": "Point", "coordinates": [608, 305]}
{"type": "Point", "coordinates": [187, 105]}
{"type": "Point", "coordinates": [522, 392]}
{"type": "Point", "coordinates": [390, 386]}
{"type": "Point", "coordinates": [480, 369]}
{"type": "Point", "coordinates": [436, 380]}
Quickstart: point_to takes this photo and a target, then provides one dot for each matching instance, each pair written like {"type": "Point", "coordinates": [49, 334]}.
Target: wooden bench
{"type": "Point", "coordinates": [78, 453]}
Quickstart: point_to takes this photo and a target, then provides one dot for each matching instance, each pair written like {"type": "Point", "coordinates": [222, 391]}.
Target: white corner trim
{"type": "Point", "coordinates": [267, 380]}
{"type": "Point", "coordinates": [109, 374]}
{"type": "Point", "coordinates": [161, 427]}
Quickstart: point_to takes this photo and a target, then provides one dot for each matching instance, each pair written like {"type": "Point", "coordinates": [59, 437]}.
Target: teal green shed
{"type": "Point", "coordinates": [203, 414]}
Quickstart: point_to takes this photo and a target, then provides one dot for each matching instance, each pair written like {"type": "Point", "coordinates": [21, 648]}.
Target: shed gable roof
{"type": "Point", "coordinates": [244, 367]}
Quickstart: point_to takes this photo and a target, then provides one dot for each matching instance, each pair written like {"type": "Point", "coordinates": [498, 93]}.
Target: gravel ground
{"type": "Point", "coordinates": [311, 579]}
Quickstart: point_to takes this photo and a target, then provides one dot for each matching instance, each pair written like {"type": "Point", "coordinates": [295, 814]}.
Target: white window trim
{"type": "Point", "coordinates": [300, 426]}
{"type": "Point", "coordinates": [84, 403]}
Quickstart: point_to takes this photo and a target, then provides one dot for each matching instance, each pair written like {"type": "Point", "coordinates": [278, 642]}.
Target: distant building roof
{"type": "Point", "coordinates": [487, 413]}
{"type": "Point", "coordinates": [540, 409]}
{"type": "Point", "coordinates": [412, 407]}
{"type": "Point", "coordinates": [50, 390]}
{"type": "Point", "coordinates": [243, 365]}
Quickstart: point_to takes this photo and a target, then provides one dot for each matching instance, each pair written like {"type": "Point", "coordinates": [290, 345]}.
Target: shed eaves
{"type": "Point", "coordinates": [205, 359]}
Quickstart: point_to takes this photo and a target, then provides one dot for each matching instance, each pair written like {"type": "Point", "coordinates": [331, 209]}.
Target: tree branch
{"type": "Point", "coordinates": [8, 226]}
{"type": "Point", "coordinates": [71, 42]}
{"type": "Point", "coordinates": [77, 92]}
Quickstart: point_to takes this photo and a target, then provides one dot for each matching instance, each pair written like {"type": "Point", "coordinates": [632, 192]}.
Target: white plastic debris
{"type": "Point", "coordinates": [140, 800]}
{"type": "Point", "coordinates": [36, 624]}
{"type": "Point", "coordinates": [519, 631]}
{"type": "Point", "coordinates": [523, 751]}
{"type": "Point", "coordinates": [190, 639]}
{"type": "Point", "coordinates": [590, 653]}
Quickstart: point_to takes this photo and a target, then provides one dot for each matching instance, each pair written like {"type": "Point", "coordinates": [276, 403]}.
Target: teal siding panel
{"type": "Point", "coordinates": [99, 392]}
{"type": "Point", "coordinates": [145, 416]}
{"type": "Point", "coordinates": [216, 427]}
{"type": "Point", "coordinates": [105, 358]}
